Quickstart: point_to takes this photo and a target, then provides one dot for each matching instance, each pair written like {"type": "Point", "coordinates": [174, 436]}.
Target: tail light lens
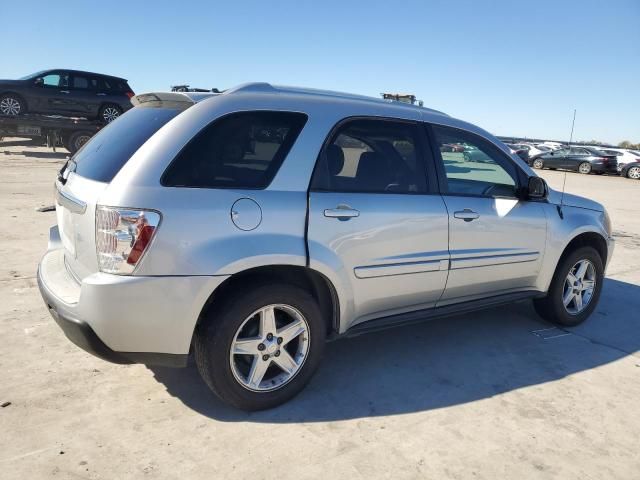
{"type": "Point", "coordinates": [122, 237]}
{"type": "Point", "coordinates": [129, 94]}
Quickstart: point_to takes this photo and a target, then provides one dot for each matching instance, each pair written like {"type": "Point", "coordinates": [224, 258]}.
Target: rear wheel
{"type": "Point", "coordinates": [634, 172]}
{"type": "Point", "coordinates": [538, 163]}
{"type": "Point", "coordinates": [575, 289]}
{"type": "Point", "coordinates": [584, 167]}
{"type": "Point", "coordinates": [75, 141]}
{"type": "Point", "coordinates": [109, 112]}
{"type": "Point", "coordinates": [259, 349]}
{"type": "Point", "coordinates": [12, 104]}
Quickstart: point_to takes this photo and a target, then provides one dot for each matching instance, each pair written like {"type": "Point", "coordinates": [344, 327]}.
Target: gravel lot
{"type": "Point", "coordinates": [482, 396]}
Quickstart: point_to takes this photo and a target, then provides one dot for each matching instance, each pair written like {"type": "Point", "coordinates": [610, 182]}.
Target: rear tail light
{"type": "Point", "coordinates": [129, 94]}
{"type": "Point", "coordinates": [122, 237]}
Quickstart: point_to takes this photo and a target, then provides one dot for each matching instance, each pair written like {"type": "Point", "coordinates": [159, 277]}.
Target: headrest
{"type": "Point", "coordinates": [335, 159]}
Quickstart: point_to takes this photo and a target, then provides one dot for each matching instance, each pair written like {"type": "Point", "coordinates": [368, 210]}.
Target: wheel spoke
{"type": "Point", "coordinates": [246, 346]}
{"type": "Point", "coordinates": [267, 321]}
{"type": "Point", "coordinates": [588, 284]}
{"type": "Point", "coordinates": [285, 362]}
{"type": "Point", "coordinates": [291, 331]}
{"type": "Point", "coordinates": [568, 296]}
{"type": "Point", "coordinates": [578, 301]}
{"type": "Point", "coordinates": [582, 269]}
{"type": "Point", "coordinates": [258, 369]}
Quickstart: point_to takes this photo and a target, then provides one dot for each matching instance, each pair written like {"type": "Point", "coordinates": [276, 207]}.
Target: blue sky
{"type": "Point", "coordinates": [514, 68]}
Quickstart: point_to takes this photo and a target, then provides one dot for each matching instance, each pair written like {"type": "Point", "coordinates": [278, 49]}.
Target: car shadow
{"type": "Point", "coordinates": [50, 155]}
{"type": "Point", "coordinates": [440, 363]}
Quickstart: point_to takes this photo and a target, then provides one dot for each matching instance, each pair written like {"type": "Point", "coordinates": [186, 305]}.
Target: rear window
{"type": "Point", "coordinates": [106, 153]}
{"type": "Point", "coordinates": [240, 150]}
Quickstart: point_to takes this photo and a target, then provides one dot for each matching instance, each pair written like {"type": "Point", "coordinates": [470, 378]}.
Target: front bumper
{"type": "Point", "coordinates": [125, 319]}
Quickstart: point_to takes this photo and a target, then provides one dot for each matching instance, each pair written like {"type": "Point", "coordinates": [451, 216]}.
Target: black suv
{"type": "Point", "coordinates": [66, 92]}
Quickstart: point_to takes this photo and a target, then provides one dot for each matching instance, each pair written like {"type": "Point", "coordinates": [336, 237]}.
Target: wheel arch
{"type": "Point", "coordinates": [587, 239]}
{"type": "Point", "coordinates": [318, 285]}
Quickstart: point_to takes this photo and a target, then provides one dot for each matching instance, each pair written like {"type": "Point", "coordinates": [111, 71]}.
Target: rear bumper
{"type": "Point", "coordinates": [125, 319]}
{"type": "Point", "coordinates": [602, 167]}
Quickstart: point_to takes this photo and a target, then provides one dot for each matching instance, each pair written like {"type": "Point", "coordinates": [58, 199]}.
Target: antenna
{"type": "Point", "coordinates": [564, 180]}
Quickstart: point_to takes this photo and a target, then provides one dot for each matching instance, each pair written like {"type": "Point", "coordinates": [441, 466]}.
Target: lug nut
{"type": "Point", "coordinates": [265, 357]}
{"type": "Point", "coordinates": [277, 354]}
{"type": "Point", "coordinates": [269, 336]}
{"type": "Point", "coordinates": [280, 340]}
{"type": "Point", "coordinates": [261, 347]}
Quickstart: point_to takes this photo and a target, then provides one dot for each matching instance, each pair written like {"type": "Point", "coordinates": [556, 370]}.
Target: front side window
{"type": "Point", "coordinates": [240, 150]}
{"type": "Point", "coordinates": [474, 166]}
{"type": "Point", "coordinates": [372, 156]}
{"type": "Point", "coordinates": [55, 80]}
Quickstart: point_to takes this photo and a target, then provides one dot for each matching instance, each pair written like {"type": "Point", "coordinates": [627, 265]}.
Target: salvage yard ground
{"type": "Point", "coordinates": [495, 394]}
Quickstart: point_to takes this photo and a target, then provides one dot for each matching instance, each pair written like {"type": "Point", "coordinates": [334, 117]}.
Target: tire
{"type": "Point", "coordinates": [552, 307]}
{"type": "Point", "coordinates": [585, 168]}
{"type": "Point", "coordinates": [76, 140]}
{"type": "Point", "coordinates": [537, 163]}
{"type": "Point", "coordinates": [12, 104]}
{"type": "Point", "coordinates": [237, 317]}
{"type": "Point", "coordinates": [109, 112]}
{"type": "Point", "coordinates": [634, 173]}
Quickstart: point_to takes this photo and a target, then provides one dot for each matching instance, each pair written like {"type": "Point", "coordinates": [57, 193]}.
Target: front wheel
{"type": "Point", "coordinates": [575, 288]}
{"type": "Point", "coordinates": [75, 141]}
{"type": "Point", "coordinates": [259, 349]}
{"type": "Point", "coordinates": [634, 173]}
{"type": "Point", "coordinates": [584, 167]}
{"type": "Point", "coordinates": [538, 163]}
{"type": "Point", "coordinates": [12, 105]}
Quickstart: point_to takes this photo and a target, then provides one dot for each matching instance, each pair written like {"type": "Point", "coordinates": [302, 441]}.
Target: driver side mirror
{"type": "Point", "coordinates": [537, 188]}
{"type": "Point", "coordinates": [39, 81]}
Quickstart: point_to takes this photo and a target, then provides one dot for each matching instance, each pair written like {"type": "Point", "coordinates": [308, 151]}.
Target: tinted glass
{"type": "Point", "coordinates": [106, 153]}
{"type": "Point", "coordinates": [474, 166]}
{"type": "Point", "coordinates": [241, 150]}
{"type": "Point", "coordinates": [374, 156]}
{"type": "Point", "coordinates": [80, 82]}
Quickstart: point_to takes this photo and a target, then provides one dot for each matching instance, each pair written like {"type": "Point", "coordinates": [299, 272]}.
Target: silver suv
{"type": "Point", "coordinates": [249, 227]}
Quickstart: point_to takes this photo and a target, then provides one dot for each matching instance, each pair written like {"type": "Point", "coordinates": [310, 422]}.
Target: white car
{"type": "Point", "coordinates": [531, 149]}
{"type": "Point", "coordinates": [622, 155]}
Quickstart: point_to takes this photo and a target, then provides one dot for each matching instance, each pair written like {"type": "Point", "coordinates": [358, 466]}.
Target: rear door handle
{"type": "Point", "coordinates": [64, 91]}
{"type": "Point", "coordinates": [467, 215]}
{"type": "Point", "coordinates": [100, 94]}
{"type": "Point", "coordinates": [342, 212]}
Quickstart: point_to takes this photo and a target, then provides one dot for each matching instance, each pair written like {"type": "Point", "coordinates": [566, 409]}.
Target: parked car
{"type": "Point", "coordinates": [631, 170]}
{"type": "Point", "coordinates": [68, 93]}
{"type": "Point", "coordinates": [187, 229]}
{"type": "Point", "coordinates": [543, 148]}
{"type": "Point", "coordinates": [579, 159]}
{"type": "Point", "coordinates": [513, 148]}
{"type": "Point", "coordinates": [622, 155]}
{"type": "Point", "coordinates": [530, 149]}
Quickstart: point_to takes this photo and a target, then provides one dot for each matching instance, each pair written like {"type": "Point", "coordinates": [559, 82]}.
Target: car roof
{"type": "Point", "coordinates": [83, 72]}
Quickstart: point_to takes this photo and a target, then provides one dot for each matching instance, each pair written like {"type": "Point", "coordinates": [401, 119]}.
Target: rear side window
{"type": "Point", "coordinates": [372, 156]}
{"type": "Point", "coordinates": [106, 153]}
{"type": "Point", "coordinates": [240, 150]}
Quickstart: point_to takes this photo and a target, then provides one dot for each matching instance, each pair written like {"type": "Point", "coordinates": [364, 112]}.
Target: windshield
{"type": "Point", "coordinates": [33, 75]}
{"type": "Point", "coordinates": [102, 157]}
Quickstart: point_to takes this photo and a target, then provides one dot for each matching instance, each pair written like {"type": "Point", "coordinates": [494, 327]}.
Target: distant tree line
{"type": "Point", "coordinates": [629, 145]}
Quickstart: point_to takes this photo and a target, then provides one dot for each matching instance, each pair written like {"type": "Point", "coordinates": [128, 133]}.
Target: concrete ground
{"type": "Point", "coordinates": [496, 394]}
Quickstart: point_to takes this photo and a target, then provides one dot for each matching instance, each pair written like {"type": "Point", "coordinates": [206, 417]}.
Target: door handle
{"type": "Point", "coordinates": [342, 212]}
{"type": "Point", "coordinates": [64, 91]}
{"type": "Point", "coordinates": [467, 215]}
{"type": "Point", "coordinates": [100, 94]}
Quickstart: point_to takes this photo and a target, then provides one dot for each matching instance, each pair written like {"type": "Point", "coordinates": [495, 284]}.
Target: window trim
{"type": "Point", "coordinates": [520, 177]}
{"type": "Point", "coordinates": [423, 156]}
{"type": "Point", "coordinates": [220, 119]}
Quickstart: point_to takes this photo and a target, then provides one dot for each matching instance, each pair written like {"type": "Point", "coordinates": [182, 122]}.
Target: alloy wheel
{"type": "Point", "coordinates": [634, 172]}
{"type": "Point", "coordinates": [584, 168]}
{"type": "Point", "coordinates": [109, 114]}
{"type": "Point", "coordinates": [269, 348]}
{"type": "Point", "coordinates": [537, 163]}
{"type": "Point", "coordinates": [579, 287]}
{"type": "Point", "coordinates": [10, 106]}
